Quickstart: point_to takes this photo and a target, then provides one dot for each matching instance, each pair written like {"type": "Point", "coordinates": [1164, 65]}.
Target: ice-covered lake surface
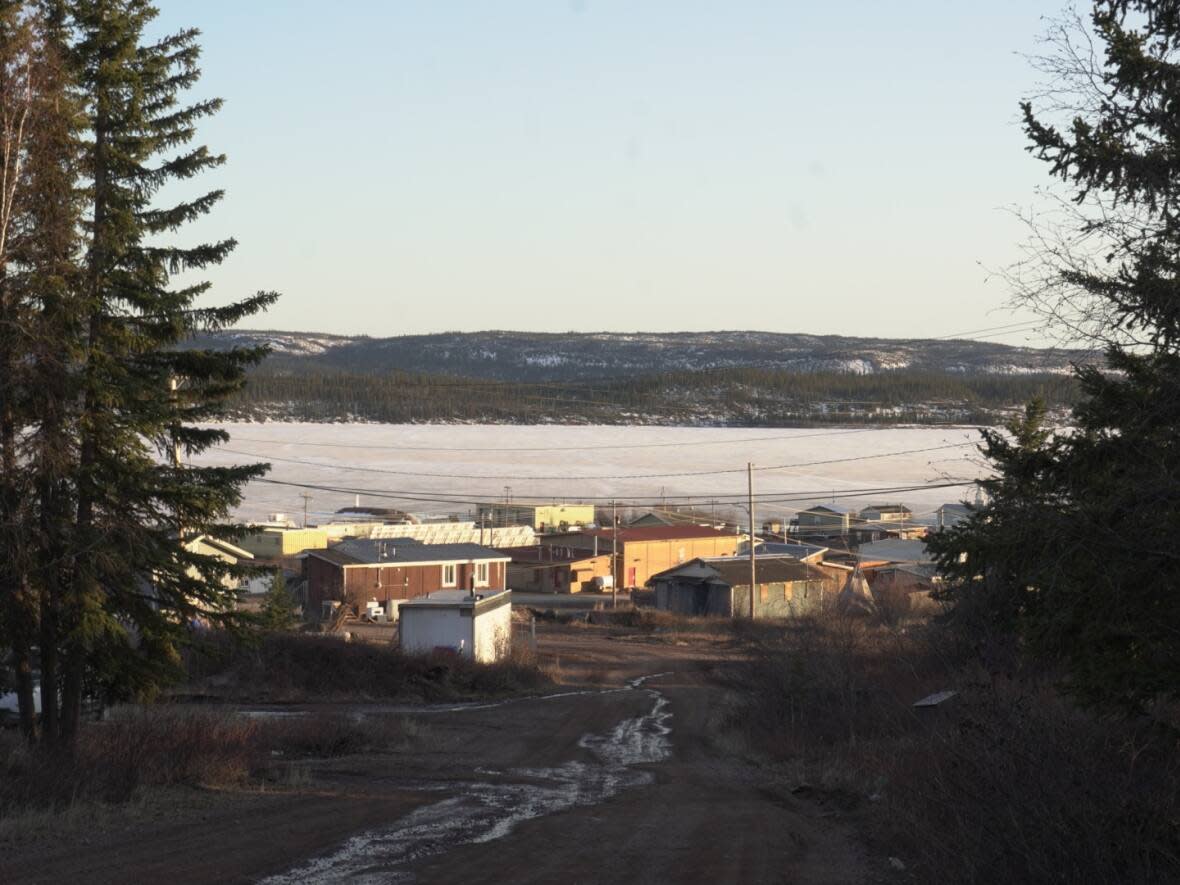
{"type": "Point", "coordinates": [451, 468]}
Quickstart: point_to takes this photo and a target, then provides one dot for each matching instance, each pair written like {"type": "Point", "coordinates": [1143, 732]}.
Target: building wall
{"type": "Point", "coordinates": [358, 584]}
{"type": "Point", "coordinates": [277, 543]}
{"type": "Point", "coordinates": [548, 517]}
{"type": "Point", "coordinates": [639, 560]}
{"type": "Point", "coordinates": [776, 600]}
{"type": "Point", "coordinates": [493, 634]}
{"type": "Point", "coordinates": [484, 635]}
{"type": "Point", "coordinates": [694, 599]}
{"type": "Point", "coordinates": [781, 600]}
{"type": "Point", "coordinates": [552, 516]}
{"type": "Point", "coordinates": [557, 577]}
{"type": "Point", "coordinates": [823, 520]}
{"type": "Point", "coordinates": [422, 630]}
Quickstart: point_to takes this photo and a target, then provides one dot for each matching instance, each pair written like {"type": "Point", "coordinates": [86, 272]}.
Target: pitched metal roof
{"type": "Point", "coordinates": [366, 551]}
{"type": "Point", "coordinates": [895, 550]}
{"type": "Point", "coordinates": [735, 570]}
{"type": "Point", "coordinates": [659, 533]}
{"type": "Point", "coordinates": [841, 509]}
{"type": "Point", "coordinates": [546, 554]}
{"type": "Point", "coordinates": [887, 508]}
{"type": "Point", "coordinates": [798, 551]}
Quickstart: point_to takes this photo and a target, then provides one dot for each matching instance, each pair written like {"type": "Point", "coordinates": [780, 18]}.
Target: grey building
{"type": "Point", "coordinates": [720, 587]}
{"type": "Point", "coordinates": [827, 519]}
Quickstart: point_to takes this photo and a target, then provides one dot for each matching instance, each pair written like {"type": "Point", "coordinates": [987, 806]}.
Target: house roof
{"type": "Point", "coordinates": [963, 507]}
{"type": "Point", "coordinates": [220, 546]}
{"type": "Point", "coordinates": [887, 508]}
{"type": "Point", "coordinates": [546, 554]}
{"type": "Point", "coordinates": [841, 509]}
{"type": "Point", "coordinates": [894, 550]}
{"type": "Point", "coordinates": [798, 551]}
{"type": "Point", "coordinates": [735, 570]}
{"type": "Point", "coordinates": [659, 533]}
{"type": "Point", "coordinates": [366, 551]}
{"type": "Point", "coordinates": [675, 516]}
{"type": "Point", "coordinates": [481, 602]}
{"type": "Point", "coordinates": [336, 557]}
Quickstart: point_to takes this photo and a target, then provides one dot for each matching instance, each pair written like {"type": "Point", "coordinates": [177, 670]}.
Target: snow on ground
{"type": "Point", "coordinates": [409, 466]}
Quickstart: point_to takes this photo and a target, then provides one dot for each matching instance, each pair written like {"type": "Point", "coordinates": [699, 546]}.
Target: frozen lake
{"type": "Point", "coordinates": [450, 468]}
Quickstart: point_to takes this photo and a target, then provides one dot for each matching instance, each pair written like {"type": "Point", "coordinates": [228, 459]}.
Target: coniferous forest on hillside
{"type": "Point", "coordinates": [742, 396]}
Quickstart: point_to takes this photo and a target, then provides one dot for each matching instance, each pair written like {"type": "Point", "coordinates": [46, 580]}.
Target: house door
{"type": "Point", "coordinates": [631, 576]}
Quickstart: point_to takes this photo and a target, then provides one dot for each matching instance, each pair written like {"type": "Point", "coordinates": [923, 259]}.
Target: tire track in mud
{"type": "Point", "coordinates": [483, 811]}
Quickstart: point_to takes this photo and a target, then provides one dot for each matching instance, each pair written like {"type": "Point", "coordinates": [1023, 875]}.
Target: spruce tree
{"type": "Point", "coordinates": [1095, 586]}
{"type": "Point", "coordinates": [130, 585]}
{"type": "Point", "coordinates": [279, 609]}
{"type": "Point", "coordinates": [19, 95]}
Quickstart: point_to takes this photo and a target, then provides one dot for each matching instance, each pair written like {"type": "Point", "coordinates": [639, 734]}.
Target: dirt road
{"type": "Point", "coordinates": [623, 777]}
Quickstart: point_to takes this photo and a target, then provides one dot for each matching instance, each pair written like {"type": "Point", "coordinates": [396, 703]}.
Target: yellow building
{"type": "Point", "coordinates": [274, 543]}
{"type": "Point", "coordinates": [542, 517]}
{"type": "Point", "coordinates": [644, 551]}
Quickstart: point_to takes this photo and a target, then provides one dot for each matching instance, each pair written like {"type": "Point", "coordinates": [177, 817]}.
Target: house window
{"type": "Point", "coordinates": [448, 576]}
{"type": "Point", "coordinates": [481, 574]}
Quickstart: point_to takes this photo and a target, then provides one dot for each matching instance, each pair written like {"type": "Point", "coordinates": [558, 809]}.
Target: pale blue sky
{"type": "Point", "coordinates": [629, 165]}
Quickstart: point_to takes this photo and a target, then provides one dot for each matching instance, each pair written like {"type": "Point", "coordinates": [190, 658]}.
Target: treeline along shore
{"type": "Point", "coordinates": [734, 396]}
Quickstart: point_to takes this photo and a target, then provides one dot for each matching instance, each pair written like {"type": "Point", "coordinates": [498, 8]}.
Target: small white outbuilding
{"type": "Point", "coordinates": [476, 625]}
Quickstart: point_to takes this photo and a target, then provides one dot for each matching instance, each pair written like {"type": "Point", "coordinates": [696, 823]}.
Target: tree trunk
{"type": "Point", "coordinates": [24, 690]}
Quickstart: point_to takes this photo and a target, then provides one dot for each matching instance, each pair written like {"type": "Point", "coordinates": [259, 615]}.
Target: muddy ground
{"type": "Point", "coordinates": [624, 773]}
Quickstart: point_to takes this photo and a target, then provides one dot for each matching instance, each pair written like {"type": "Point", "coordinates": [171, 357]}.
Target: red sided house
{"type": "Point", "coordinates": [362, 570]}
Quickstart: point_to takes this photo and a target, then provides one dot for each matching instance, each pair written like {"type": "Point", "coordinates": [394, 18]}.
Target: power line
{"type": "Point", "coordinates": [568, 478]}
{"type": "Point", "coordinates": [620, 446]}
{"type": "Point", "coordinates": [722, 499]}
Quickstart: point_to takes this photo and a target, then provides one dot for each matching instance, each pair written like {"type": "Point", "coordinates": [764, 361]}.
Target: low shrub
{"type": "Point", "coordinates": [301, 667]}
{"type": "Point", "coordinates": [150, 747]}
{"type": "Point", "coordinates": [1006, 781]}
{"type": "Point", "coordinates": [174, 746]}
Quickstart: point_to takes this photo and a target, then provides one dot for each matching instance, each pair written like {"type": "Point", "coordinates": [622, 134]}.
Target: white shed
{"type": "Point", "coordinates": [478, 626]}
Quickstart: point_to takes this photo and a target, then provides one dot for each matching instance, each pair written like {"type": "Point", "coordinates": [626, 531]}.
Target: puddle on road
{"type": "Point", "coordinates": [482, 812]}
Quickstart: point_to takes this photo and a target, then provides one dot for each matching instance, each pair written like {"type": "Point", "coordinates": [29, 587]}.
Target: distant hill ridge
{"type": "Point", "coordinates": [579, 356]}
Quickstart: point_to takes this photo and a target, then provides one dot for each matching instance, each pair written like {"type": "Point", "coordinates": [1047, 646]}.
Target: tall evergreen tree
{"type": "Point", "coordinates": [1095, 587]}
{"type": "Point", "coordinates": [131, 584]}
{"type": "Point", "coordinates": [19, 95]}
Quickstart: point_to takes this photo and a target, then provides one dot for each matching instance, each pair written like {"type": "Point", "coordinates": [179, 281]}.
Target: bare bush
{"type": "Point", "coordinates": [292, 668]}
{"type": "Point", "coordinates": [1004, 782]}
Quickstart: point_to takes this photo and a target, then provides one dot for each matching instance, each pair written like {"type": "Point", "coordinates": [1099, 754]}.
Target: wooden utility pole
{"type": "Point", "coordinates": [306, 497]}
{"type": "Point", "coordinates": [614, 556]}
{"type": "Point", "coordinates": [174, 387]}
{"type": "Point", "coordinates": [753, 560]}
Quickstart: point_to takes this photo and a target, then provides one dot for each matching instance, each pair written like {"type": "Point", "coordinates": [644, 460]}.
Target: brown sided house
{"type": "Point", "coordinates": [646, 550]}
{"type": "Point", "coordinates": [362, 570]}
{"type": "Point", "coordinates": [544, 568]}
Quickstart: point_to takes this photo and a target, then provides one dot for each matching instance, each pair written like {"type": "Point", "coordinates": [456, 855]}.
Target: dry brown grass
{"type": "Point", "coordinates": [161, 747]}
{"type": "Point", "coordinates": [287, 668]}
{"type": "Point", "coordinates": [1006, 782]}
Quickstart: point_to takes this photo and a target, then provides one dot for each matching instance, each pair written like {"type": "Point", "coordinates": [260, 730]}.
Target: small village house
{"type": "Point", "coordinates": [720, 587]}
{"type": "Point", "coordinates": [387, 572]}
{"type": "Point", "coordinates": [827, 519]}
{"type": "Point", "coordinates": [475, 625]}
{"type": "Point", "coordinates": [644, 551]}
{"type": "Point", "coordinates": [887, 513]}
{"type": "Point", "coordinates": [546, 568]}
